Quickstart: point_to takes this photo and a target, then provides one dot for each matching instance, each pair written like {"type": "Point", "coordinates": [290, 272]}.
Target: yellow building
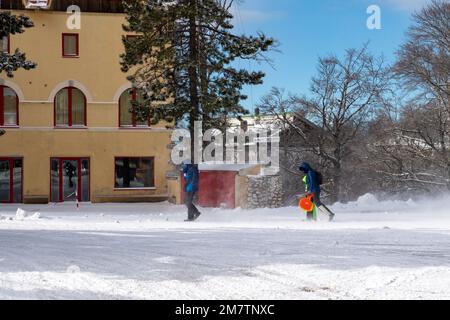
{"type": "Point", "coordinates": [69, 130]}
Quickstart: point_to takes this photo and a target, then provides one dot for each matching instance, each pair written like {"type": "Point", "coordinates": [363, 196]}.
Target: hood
{"type": "Point", "coordinates": [305, 167]}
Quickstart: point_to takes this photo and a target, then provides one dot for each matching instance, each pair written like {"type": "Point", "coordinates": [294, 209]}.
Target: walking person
{"type": "Point", "coordinates": [313, 180]}
{"type": "Point", "coordinates": [312, 214]}
{"type": "Point", "coordinates": [191, 177]}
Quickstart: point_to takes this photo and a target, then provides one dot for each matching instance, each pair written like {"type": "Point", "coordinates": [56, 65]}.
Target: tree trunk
{"type": "Point", "coordinates": [193, 74]}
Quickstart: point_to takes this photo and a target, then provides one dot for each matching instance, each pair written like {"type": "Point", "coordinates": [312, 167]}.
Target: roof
{"type": "Point", "coordinates": [106, 6]}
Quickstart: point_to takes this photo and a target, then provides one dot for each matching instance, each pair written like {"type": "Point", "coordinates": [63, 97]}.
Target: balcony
{"type": "Point", "coordinates": [37, 4]}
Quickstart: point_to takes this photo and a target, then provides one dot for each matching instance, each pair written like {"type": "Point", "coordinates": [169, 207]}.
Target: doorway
{"type": "Point", "coordinates": [11, 180]}
{"type": "Point", "coordinates": [70, 179]}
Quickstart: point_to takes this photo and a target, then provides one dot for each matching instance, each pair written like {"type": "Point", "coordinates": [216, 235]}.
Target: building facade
{"type": "Point", "coordinates": [70, 134]}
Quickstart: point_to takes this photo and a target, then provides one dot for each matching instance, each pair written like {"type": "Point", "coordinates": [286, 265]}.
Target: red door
{"type": "Point", "coordinates": [11, 177]}
{"type": "Point", "coordinates": [69, 179]}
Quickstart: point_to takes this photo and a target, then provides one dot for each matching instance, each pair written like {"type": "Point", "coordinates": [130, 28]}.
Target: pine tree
{"type": "Point", "coordinates": [184, 59]}
{"type": "Point", "coordinates": [13, 24]}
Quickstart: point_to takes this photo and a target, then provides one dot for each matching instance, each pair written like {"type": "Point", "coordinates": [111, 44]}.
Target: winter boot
{"type": "Point", "coordinates": [197, 215]}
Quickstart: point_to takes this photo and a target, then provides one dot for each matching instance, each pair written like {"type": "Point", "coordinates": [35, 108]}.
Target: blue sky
{"type": "Point", "coordinates": [307, 29]}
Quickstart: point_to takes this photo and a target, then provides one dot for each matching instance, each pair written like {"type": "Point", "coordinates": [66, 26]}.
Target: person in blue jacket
{"type": "Point", "coordinates": [313, 188]}
{"type": "Point", "coordinates": [191, 177]}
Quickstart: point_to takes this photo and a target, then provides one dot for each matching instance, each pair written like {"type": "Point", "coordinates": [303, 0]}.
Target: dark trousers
{"type": "Point", "coordinates": [189, 201]}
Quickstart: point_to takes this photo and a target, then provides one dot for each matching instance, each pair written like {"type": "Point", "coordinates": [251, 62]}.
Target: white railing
{"type": "Point", "coordinates": [37, 4]}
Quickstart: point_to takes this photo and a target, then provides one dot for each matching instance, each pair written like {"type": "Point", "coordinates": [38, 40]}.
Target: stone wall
{"type": "Point", "coordinates": [264, 192]}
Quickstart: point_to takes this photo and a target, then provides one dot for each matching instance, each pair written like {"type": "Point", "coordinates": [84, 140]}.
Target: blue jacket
{"type": "Point", "coordinates": [311, 178]}
{"type": "Point", "coordinates": [191, 176]}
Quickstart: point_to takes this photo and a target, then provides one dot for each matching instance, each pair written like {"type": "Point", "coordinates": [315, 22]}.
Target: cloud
{"type": "Point", "coordinates": [405, 5]}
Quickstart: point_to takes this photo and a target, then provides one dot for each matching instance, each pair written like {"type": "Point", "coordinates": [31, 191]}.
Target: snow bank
{"type": "Point", "coordinates": [370, 203]}
{"type": "Point", "coordinates": [24, 215]}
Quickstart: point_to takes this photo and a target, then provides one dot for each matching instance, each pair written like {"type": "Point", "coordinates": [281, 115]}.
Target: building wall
{"type": "Point", "coordinates": [97, 69]}
{"type": "Point", "coordinates": [224, 186]}
{"type": "Point", "coordinates": [216, 189]}
{"type": "Point", "coordinates": [97, 74]}
{"type": "Point", "coordinates": [174, 189]}
{"type": "Point", "coordinates": [37, 147]}
{"type": "Point", "coordinates": [241, 200]}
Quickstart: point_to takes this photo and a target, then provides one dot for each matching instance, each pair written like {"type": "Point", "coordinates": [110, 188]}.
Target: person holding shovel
{"type": "Point", "coordinates": [312, 181]}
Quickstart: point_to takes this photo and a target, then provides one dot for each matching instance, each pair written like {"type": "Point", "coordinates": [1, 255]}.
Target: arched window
{"type": "Point", "coordinates": [127, 106]}
{"type": "Point", "coordinates": [70, 108]}
{"type": "Point", "coordinates": [9, 107]}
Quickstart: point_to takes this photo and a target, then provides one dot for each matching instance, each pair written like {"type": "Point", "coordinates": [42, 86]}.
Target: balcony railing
{"type": "Point", "coordinates": [37, 4]}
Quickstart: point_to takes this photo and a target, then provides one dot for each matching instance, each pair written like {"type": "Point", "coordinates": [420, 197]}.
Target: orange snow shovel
{"type": "Point", "coordinates": [306, 203]}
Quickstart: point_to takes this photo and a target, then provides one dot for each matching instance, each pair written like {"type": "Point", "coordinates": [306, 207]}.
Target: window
{"type": "Point", "coordinates": [134, 173]}
{"type": "Point", "coordinates": [127, 109]}
{"type": "Point", "coordinates": [70, 108]}
{"type": "Point", "coordinates": [9, 107]}
{"type": "Point", "coordinates": [4, 44]}
{"type": "Point", "coordinates": [70, 45]}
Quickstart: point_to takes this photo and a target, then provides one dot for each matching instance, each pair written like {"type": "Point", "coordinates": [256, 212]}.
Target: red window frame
{"type": "Point", "coordinates": [2, 108]}
{"type": "Point", "coordinates": [134, 125]}
{"type": "Point", "coordinates": [144, 188]}
{"type": "Point", "coordinates": [60, 176]}
{"type": "Point", "coordinates": [8, 50]}
{"type": "Point", "coordinates": [70, 97]}
{"type": "Point", "coordinates": [77, 45]}
{"type": "Point", "coordinates": [11, 177]}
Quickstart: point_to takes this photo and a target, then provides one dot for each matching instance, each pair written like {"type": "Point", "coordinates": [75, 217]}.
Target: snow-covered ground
{"type": "Point", "coordinates": [374, 250]}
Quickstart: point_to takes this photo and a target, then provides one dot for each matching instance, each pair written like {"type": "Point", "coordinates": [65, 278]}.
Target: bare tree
{"type": "Point", "coordinates": [423, 66]}
{"type": "Point", "coordinates": [424, 60]}
{"type": "Point", "coordinates": [398, 159]}
{"type": "Point", "coordinates": [343, 96]}
{"type": "Point", "coordinates": [283, 109]}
